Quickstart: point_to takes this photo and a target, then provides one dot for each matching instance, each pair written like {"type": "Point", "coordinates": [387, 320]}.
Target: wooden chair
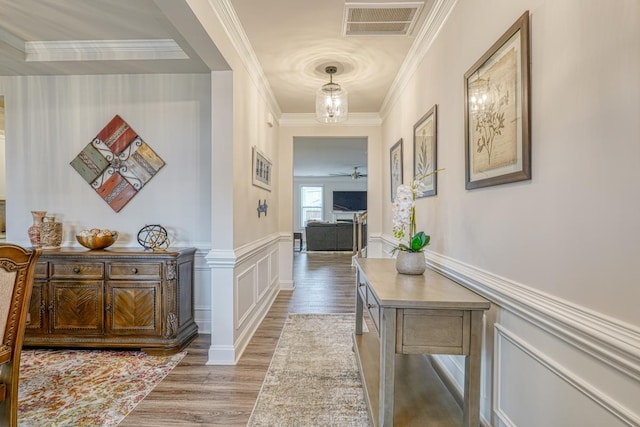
{"type": "Point", "coordinates": [17, 267]}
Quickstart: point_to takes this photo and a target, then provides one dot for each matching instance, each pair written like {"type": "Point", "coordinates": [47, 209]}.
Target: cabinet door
{"type": "Point", "coordinates": [134, 308]}
{"type": "Point", "coordinates": [76, 307]}
{"type": "Point", "coordinates": [38, 322]}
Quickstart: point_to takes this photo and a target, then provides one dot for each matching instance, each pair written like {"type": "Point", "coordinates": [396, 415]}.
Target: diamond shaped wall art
{"type": "Point", "coordinates": [117, 163]}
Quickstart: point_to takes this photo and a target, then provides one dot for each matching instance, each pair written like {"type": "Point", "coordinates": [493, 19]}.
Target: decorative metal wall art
{"type": "Point", "coordinates": [262, 207]}
{"type": "Point", "coordinates": [117, 163]}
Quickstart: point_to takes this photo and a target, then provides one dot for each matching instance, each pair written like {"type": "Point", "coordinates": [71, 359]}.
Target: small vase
{"type": "Point", "coordinates": [50, 233]}
{"type": "Point", "coordinates": [34, 230]}
{"type": "Point", "coordinates": [410, 263]}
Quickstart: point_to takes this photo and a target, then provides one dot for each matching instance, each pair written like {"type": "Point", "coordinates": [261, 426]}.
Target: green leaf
{"type": "Point", "coordinates": [419, 241]}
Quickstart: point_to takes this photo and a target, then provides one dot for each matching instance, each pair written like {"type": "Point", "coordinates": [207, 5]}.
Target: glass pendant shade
{"type": "Point", "coordinates": [332, 104]}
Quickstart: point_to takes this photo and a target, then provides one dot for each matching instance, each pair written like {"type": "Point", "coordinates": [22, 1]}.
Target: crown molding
{"type": "Point", "coordinates": [232, 26]}
{"type": "Point", "coordinates": [309, 120]}
{"type": "Point", "coordinates": [428, 32]}
{"type": "Point", "coordinates": [101, 50]}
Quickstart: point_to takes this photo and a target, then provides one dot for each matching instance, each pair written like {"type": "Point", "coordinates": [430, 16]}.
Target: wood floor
{"type": "Point", "coordinates": [195, 394]}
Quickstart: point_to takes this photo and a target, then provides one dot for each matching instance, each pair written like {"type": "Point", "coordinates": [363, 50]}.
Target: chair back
{"type": "Point", "coordinates": [17, 267]}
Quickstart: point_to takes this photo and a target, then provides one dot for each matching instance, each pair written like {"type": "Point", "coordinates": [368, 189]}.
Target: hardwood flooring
{"type": "Point", "coordinates": [195, 394]}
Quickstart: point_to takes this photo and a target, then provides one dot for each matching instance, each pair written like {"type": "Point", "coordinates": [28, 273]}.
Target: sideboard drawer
{"type": "Point", "coordinates": [135, 271]}
{"type": "Point", "coordinates": [80, 270]}
{"type": "Point", "coordinates": [41, 270]}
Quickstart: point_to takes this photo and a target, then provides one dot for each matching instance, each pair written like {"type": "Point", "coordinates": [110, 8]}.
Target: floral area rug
{"type": "Point", "coordinates": [86, 388]}
{"type": "Point", "coordinates": [313, 379]}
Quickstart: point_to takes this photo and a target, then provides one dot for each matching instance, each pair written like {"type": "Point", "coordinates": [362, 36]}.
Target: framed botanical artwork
{"type": "Point", "coordinates": [262, 170]}
{"type": "Point", "coordinates": [496, 116]}
{"type": "Point", "coordinates": [395, 164]}
{"type": "Point", "coordinates": [425, 154]}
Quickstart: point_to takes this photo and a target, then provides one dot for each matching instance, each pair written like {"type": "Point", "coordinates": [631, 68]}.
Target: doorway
{"type": "Point", "coordinates": [322, 167]}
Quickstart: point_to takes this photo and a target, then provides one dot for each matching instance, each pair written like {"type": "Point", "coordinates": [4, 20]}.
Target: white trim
{"type": "Point", "coordinates": [438, 15]}
{"type": "Point", "coordinates": [249, 271]}
{"type": "Point", "coordinates": [102, 50]}
{"type": "Point", "coordinates": [601, 399]}
{"type": "Point", "coordinates": [309, 120]}
{"type": "Point", "coordinates": [221, 355]}
{"type": "Point", "coordinates": [609, 340]}
{"type": "Point", "coordinates": [227, 16]}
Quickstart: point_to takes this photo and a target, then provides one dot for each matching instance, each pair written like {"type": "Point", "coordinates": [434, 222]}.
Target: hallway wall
{"type": "Point", "coordinates": [554, 254]}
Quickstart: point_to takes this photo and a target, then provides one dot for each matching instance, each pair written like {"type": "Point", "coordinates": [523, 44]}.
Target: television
{"type": "Point", "coordinates": [349, 201]}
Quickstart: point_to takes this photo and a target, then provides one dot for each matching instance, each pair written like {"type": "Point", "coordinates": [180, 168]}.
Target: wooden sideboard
{"type": "Point", "coordinates": [413, 316]}
{"type": "Point", "coordinates": [113, 298]}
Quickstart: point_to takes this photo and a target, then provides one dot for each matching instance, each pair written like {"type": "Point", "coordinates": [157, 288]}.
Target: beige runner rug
{"type": "Point", "coordinates": [78, 388]}
{"type": "Point", "coordinates": [313, 379]}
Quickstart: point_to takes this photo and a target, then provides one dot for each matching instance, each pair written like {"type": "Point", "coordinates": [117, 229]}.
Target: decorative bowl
{"type": "Point", "coordinates": [97, 239]}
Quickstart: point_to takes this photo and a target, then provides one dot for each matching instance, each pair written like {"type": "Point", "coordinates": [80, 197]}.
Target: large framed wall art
{"type": "Point", "coordinates": [496, 117]}
{"type": "Point", "coordinates": [262, 170]}
{"type": "Point", "coordinates": [395, 165]}
{"type": "Point", "coordinates": [425, 151]}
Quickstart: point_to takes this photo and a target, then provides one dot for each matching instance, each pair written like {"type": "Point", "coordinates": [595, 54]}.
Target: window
{"type": "Point", "coordinates": [310, 204]}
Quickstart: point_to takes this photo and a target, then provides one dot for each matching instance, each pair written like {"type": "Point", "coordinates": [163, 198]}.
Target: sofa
{"type": "Point", "coordinates": [334, 236]}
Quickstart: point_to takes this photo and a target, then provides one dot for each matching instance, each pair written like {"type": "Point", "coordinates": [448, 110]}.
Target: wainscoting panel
{"type": "Point", "coordinates": [263, 267]}
{"type": "Point", "coordinates": [244, 285]}
{"type": "Point", "coordinates": [534, 390]}
{"type": "Point", "coordinates": [245, 295]}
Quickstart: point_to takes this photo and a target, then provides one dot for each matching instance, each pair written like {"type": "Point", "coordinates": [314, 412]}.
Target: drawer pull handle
{"type": "Point", "coordinates": [371, 306]}
{"type": "Point", "coordinates": [76, 270]}
{"type": "Point", "coordinates": [361, 284]}
{"type": "Point", "coordinates": [134, 270]}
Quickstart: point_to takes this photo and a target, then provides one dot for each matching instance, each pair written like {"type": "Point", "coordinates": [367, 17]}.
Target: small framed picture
{"type": "Point", "coordinates": [262, 170]}
{"type": "Point", "coordinates": [395, 165]}
{"type": "Point", "coordinates": [496, 115]}
{"type": "Point", "coordinates": [425, 150]}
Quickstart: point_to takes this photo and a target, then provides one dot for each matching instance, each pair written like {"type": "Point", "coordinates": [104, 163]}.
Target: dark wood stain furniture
{"type": "Point", "coordinates": [413, 316]}
{"type": "Point", "coordinates": [113, 298]}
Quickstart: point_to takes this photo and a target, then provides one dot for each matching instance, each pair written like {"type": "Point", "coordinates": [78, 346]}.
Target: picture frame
{"type": "Point", "coordinates": [262, 169]}
{"type": "Point", "coordinates": [395, 167]}
{"type": "Point", "coordinates": [497, 111]}
{"type": "Point", "coordinates": [425, 150]}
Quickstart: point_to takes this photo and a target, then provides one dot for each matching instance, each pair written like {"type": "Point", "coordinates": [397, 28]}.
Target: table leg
{"type": "Point", "coordinates": [472, 367]}
{"type": "Point", "coordinates": [387, 366]}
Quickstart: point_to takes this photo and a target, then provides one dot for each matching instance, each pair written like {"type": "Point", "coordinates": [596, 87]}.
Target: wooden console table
{"type": "Point", "coordinates": [413, 316]}
{"type": "Point", "coordinates": [113, 298]}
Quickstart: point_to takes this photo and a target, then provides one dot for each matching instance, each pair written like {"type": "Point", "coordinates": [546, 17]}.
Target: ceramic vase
{"type": "Point", "coordinates": [50, 233]}
{"type": "Point", "coordinates": [410, 263]}
{"type": "Point", "coordinates": [34, 230]}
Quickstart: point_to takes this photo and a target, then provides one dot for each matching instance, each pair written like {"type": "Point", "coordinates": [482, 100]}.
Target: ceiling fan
{"type": "Point", "coordinates": [354, 175]}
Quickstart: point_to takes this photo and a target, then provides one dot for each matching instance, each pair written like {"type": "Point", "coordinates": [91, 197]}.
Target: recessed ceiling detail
{"type": "Point", "coordinates": [101, 50]}
{"type": "Point", "coordinates": [379, 19]}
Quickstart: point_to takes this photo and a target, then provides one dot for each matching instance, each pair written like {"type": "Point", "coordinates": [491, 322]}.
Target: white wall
{"type": "Point", "coordinates": [49, 120]}
{"type": "Point", "coordinates": [555, 254]}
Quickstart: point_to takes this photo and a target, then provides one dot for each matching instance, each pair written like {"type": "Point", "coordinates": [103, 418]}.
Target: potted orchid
{"type": "Point", "coordinates": [404, 226]}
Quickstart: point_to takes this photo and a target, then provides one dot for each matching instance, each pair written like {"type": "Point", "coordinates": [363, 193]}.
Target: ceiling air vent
{"type": "Point", "coordinates": [380, 19]}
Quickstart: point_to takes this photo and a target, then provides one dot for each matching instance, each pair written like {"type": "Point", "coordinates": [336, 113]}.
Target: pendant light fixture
{"type": "Point", "coordinates": [332, 105]}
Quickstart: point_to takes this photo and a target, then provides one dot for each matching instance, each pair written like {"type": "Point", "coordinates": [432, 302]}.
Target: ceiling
{"type": "Point", "coordinates": [291, 41]}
